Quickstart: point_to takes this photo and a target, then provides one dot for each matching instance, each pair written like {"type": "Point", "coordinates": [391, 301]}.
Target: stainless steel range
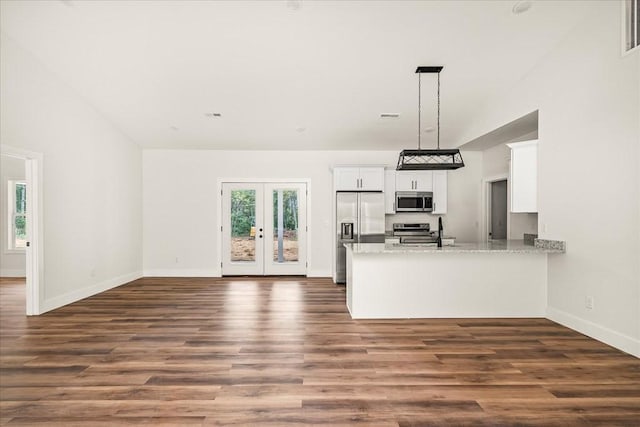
{"type": "Point", "coordinates": [419, 233]}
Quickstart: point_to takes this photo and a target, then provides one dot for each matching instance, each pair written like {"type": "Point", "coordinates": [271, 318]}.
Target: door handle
{"type": "Point", "coordinates": [346, 230]}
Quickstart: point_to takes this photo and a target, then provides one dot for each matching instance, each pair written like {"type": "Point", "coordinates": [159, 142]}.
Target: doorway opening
{"type": "Point", "coordinates": [495, 224]}
{"type": "Point", "coordinates": [498, 210]}
{"type": "Point", "coordinates": [27, 222]}
{"type": "Point", "coordinates": [264, 228]}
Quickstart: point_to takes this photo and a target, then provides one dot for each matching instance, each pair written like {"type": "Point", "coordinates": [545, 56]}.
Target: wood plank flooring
{"type": "Point", "coordinates": [284, 351]}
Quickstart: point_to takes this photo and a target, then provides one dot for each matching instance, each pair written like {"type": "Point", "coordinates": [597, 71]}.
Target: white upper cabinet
{"type": "Point", "coordinates": [439, 192]}
{"type": "Point", "coordinates": [389, 191]}
{"type": "Point", "coordinates": [414, 181]}
{"type": "Point", "coordinates": [435, 181]}
{"type": "Point", "coordinates": [524, 176]}
{"type": "Point", "coordinates": [369, 178]}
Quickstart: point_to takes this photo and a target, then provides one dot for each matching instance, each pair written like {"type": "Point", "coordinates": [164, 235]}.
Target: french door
{"type": "Point", "coordinates": [264, 228]}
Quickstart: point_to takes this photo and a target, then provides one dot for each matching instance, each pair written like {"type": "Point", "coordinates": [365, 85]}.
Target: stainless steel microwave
{"type": "Point", "coordinates": [414, 201]}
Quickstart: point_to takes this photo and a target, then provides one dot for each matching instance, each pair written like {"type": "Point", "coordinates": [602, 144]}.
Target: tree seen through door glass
{"type": "Point", "coordinates": [285, 225]}
{"type": "Point", "coordinates": [243, 221]}
{"type": "Point", "coordinates": [20, 216]}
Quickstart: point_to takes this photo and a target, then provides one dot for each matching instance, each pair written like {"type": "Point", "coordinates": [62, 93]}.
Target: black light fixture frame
{"type": "Point", "coordinates": [438, 159]}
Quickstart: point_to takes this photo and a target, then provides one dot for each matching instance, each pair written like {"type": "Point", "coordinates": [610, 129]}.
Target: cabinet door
{"type": "Point", "coordinates": [424, 180]}
{"type": "Point", "coordinates": [346, 179]}
{"type": "Point", "coordinates": [405, 181]}
{"type": "Point", "coordinates": [439, 192]}
{"type": "Point", "coordinates": [372, 179]}
{"type": "Point", "coordinates": [389, 191]}
{"type": "Point", "coordinates": [414, 181]}
{"type": "Point", "coordinates": [524, 176]}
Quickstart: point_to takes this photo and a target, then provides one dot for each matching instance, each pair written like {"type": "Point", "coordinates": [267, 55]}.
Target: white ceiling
{"type": "Point", "coordinates": [286, 75]}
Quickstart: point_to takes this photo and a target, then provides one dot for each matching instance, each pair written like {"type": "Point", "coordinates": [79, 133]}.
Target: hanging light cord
{"type": "Point", "coordinates": [419, 109]}
{"type": "Point", "coordinates": [438, 110]}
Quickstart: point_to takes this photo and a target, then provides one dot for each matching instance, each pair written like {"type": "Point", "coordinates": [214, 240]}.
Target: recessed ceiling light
{"type": "Point", "coordinates": [521, 7]}
{"type": "Point", "coordinates": [212, 115]}
{"type": "Point", "coordinates": [389, 115]}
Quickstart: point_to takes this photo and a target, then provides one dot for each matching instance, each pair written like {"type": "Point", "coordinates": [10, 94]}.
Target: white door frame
{"type": "Point", "coordinates": [35, 250]}
{"type": "Point", "coordinates": [485, 224]}
{"type": "Point", "coordinates": [220, 181]}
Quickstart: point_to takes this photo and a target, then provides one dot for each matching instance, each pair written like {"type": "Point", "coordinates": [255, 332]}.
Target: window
{"type": "Point", "coordinates": [17, 215]}
{"type": "Point", "coordinates": [631, 25]}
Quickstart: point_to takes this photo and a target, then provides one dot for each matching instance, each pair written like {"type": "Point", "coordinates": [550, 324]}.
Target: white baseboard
{"type": "Point", "coordinates": [12, 273]}
{"type": "Point", "coordinates": [318, 273]}
{"type": "Point", "coordinates": [79, 294]}
{"type": "Point", "coordinates": [608, 336]}
{"type": "Point", "coordinates": [167, 272]}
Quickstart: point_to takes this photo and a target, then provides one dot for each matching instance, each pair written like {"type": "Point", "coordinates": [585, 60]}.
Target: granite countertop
{"type": "Point", "coordinates": [501, 246]}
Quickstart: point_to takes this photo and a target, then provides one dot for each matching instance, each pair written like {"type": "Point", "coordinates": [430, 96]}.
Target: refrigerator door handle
{"type": "Point", "coordinates": [346, 231]}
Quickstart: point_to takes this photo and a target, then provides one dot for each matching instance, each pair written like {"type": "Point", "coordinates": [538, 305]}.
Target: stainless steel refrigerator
{"type": "Point", "coordinates": [359, 219]}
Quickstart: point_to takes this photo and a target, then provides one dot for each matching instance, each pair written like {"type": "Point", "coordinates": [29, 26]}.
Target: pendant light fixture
{"type": "Point", "coordinates": [438, 159]}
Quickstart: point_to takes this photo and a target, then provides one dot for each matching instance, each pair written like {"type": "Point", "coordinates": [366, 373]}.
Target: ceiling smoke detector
{"type": "Point", "coordinates": [389, 115]}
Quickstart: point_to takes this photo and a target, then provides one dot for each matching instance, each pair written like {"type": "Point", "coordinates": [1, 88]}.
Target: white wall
{"type": "Point", "coordinates": [12, 263]}
{"type": "Point", "coordinates": [92, 180]}
{"type": "Point", "coordinates": [588, 167]}
{"type": "Point", "coordinates": [181, 204]}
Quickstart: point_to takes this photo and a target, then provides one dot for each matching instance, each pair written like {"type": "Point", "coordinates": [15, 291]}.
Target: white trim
{"type": "Point", "coordinates": [319, 273]}
{"type": "Point", "coordinates": [176, 272]}
{"type": "Point", "coordinates": [34, 177]}
{"type": "Point", "coordinates": [608, 336]}
{"type": "Point", "coordinates": [79, 294]}
{"type": "Point", "coordinates": [486, 205]}
{"type": "Point", "coordinates": [19, 251]}
{"type": "Point", "coordinates": [12, 272]}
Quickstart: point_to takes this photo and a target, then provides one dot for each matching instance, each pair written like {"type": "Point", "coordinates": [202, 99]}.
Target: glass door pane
{"type": "Point", "coordinates": [285, 225]}
{"type": "Point", "coordinates": [243, 225]}
{"type": "Point", "coordinates": [285, 228]}
{"type": "Point", "coordinates": [242, 229]}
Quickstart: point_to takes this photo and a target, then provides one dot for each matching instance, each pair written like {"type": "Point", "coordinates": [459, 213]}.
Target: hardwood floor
{"type": "Point", "coordinates": [277, 351]}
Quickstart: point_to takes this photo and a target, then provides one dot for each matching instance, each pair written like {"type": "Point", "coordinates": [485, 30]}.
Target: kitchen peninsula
{"type": "Point", "coordinates": [494, 279]}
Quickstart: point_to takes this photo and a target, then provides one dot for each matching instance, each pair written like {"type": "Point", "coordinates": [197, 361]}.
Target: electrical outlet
{"type": "Point", "coordinates": [588, 302]}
